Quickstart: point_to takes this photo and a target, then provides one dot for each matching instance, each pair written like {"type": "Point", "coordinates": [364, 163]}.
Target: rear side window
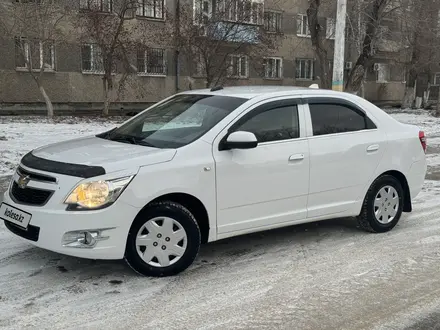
{"type": "Point", "coordinates": [275, 124]}
{"type": "Point", "coordinates": [337, 118]}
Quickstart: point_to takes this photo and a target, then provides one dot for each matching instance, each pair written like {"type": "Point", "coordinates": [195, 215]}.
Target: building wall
{"type": "Point", "coordinates": [68, 86]}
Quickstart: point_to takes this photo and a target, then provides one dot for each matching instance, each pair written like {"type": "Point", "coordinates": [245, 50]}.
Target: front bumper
{"type": "Point", "coordinates": [48, 226]}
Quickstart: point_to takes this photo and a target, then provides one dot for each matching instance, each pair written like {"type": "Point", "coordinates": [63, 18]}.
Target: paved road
{"type": "Point", "coordinates": [317, 276]}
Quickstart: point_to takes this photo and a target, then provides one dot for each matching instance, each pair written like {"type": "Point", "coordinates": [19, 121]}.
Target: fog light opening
{"type": "Point", "coordinates": [86, 239]}
{"type": "Point", "coordinates": [89, 239]}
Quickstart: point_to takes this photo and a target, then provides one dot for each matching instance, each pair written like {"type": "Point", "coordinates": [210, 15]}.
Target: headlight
{"type": "Point", "coordinates": [96, 194]}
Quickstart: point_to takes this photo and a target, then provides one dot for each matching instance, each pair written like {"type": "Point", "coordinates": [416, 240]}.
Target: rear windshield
{"type": "Point", "coordinates": [176, 122]}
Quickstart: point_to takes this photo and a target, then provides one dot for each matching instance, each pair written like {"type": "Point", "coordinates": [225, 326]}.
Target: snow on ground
{"type": "Point", "coordinates": [20, 135]}
{"type": "Point", "coordinates": [327, 275]}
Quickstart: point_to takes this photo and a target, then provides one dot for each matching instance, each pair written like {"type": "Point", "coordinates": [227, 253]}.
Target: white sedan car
{"type": "Point", "coordinates": [205, 165]}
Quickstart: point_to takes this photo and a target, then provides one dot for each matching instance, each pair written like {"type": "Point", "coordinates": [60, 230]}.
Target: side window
{"type": "Point", "coordinates": [275, 124]}
{"type": "Point", "coordinates": [337, 118]}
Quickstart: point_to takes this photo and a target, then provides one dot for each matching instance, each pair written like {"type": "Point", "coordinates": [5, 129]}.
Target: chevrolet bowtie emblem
{"type": "Point", "coordinates": [23, 181]}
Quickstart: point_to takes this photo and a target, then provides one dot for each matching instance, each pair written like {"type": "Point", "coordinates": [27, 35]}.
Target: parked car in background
{"type": "Point", "coordinates": [205, 165]}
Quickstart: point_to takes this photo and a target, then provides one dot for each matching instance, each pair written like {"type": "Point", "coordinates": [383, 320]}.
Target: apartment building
{"type": "Point", "coordinates": [73, 71]}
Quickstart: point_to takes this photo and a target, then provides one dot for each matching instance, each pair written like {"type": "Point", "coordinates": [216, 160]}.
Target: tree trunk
{"type": "Point", "coordinates": [208, 81]}
{"type": "Point", "coordinates": [356, 76]}
{"type": "Point", "coordinates": [47, 100]}
{"type": "Point", "coordinates": [426, 96]}
{"type": "Point", "coordinates": [317, 43]}
{"type": "Point", "coordinates": [107, 88]}
{"type": "Point", "coordinates": [410, 87]}
{"type": "Point", "coordinates": [105, 111]}
{"type": "Point", "coordinates": [408, 97]}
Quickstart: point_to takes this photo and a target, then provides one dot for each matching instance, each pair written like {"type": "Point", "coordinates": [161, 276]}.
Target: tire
{"type": "Point", "coordinates": [156, 244]}
{"type": "Point", "coordinates": [370, 219]}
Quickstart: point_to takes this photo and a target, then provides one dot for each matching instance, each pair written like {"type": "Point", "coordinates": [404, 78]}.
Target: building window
{"type": "Point", "coordinates": [202, 13]}
{"type": "Point", "coordinates": [273, 68]}
{"type": "Point", "coordinates": [331, 28]}
{"type": "Point", "coordinates": [34, 54]}
{"type": "Point", "coordinates": [91, 59]}
{"type": "Point", "coordinates": [96, 5]}
{"type": "Point", "coordinates": [272, 21]}
{"type": "Point", "coordinates": [245, 11]}
{"type": "Point", "coordinates": [437, 79]}
{"type": "Point", "coordinates": [382, 72]}
{"type": "Point", "coordinates": [150, 8]}
{"type": "Point", "coordinates": [241, 11]}
{"type": "Point", "coordinates": [238, 66]}
{"type": "Point", "coordinates": [383, 32]}
{"type": "Point", "coordinates": [302, 26]}
{"type": "Point", "coordinates": [438, 24]}
{"type": "Point", "coordinates": [152, 61]}
{"type": "Point", "coordinates": [304, 69]}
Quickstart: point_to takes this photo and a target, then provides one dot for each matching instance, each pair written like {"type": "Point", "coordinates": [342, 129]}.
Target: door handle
{"type": "Point", "coordinates": [296, 157]}
{"type": "Point", "coordinates": [373, 148]}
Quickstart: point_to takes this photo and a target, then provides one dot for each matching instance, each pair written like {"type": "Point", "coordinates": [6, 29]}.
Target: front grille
{"type": "Point", "coordinates": [35, 176]}
{"type": "Point", "coordinates": [30, 196]}
{"type": "Point", "coordinates": [32, 233]}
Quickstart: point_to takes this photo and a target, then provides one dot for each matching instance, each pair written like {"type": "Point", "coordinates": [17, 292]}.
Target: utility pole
{"type": "Point", "coordinates": [177, 45]}
{"type": "Point", "coordinates": [339, 55]}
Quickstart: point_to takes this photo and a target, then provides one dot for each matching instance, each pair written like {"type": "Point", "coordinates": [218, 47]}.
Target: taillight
{"type": "Point", "coordinates": [422, 138]}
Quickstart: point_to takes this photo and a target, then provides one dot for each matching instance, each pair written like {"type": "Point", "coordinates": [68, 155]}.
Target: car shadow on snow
{"type": "Point", "coordinates": [311, 236]}
{"type": "Point", "coordinates": [302, 237]}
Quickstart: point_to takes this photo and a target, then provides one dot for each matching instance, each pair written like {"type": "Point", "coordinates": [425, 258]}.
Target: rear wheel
{"type": "Point", "coordinates": [382, 206]}
{"type": "Point", "coordinates": [164, 240]}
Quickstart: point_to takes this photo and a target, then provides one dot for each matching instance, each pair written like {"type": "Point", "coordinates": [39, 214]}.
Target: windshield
{"type": "Point", "coordinates": [176, 122]}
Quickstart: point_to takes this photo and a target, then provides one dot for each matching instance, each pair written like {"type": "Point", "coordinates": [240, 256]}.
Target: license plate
{"type": "Point", "coordinates": [14, 215]}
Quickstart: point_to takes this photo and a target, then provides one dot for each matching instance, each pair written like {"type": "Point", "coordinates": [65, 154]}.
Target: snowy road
{"type": "Point", "coordinates": [327, 275]}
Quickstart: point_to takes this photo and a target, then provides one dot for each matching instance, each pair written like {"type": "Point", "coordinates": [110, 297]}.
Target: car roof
{"type": "Point", "coordinates": [249, 92]}
{"type": "Point", "coordinates": [261, 93]}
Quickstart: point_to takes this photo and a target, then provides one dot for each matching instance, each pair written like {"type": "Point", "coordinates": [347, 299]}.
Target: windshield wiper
{"type": "Point", "coordinates": [131, 139]}
{"type": "Point", "coordinates": [145, 144]}
{"type": "Point", "coordinates": [122, 138]}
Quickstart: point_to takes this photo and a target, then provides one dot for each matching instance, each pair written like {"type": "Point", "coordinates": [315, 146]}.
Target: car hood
{"type": "Point", "coordinates": [111, 155]}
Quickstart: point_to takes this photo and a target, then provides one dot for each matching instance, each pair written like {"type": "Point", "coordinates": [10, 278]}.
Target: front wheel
{"type": "Point", "coordinates": [164, 240]}
{"type": "Point", "coordinates": [382, 206]}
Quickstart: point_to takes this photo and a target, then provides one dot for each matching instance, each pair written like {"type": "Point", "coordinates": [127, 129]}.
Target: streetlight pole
{"type": "Point", "coordinates": [177, 45]}
{"type": "Point", "coordinates": [339, 55]}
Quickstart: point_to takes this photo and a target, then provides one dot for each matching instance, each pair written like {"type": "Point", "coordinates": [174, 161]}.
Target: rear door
{"type": "Point", "coordinates": [345, 149]}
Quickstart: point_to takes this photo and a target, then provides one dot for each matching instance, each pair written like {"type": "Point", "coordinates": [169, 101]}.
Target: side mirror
{"type": "Point", "coordinates": [240, 140]}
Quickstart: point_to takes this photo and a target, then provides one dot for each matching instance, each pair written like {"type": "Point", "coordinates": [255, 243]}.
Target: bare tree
{"type": "Point", "coordinates": [37, 28]}
{"type": "Point", "coordinates": [111, 38]}
{"type": "Point", "coordinates": [219, 37]}
{"type": "Point", "coordinates": [368, 16]}
{"type": "Point", "coordinates": [320, 37]}
{"type": "Point", "coordinates": [106, 40]}
{"type": "Point", "coordinates": [420, 30]}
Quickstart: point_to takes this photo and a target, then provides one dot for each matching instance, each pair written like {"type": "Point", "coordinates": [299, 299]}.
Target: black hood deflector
{"type": "Point", "coordinates": [77, 170]}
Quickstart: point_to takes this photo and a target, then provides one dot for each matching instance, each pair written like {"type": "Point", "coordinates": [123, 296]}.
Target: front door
{"type": "Point", "coordinates": [267, 185]}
